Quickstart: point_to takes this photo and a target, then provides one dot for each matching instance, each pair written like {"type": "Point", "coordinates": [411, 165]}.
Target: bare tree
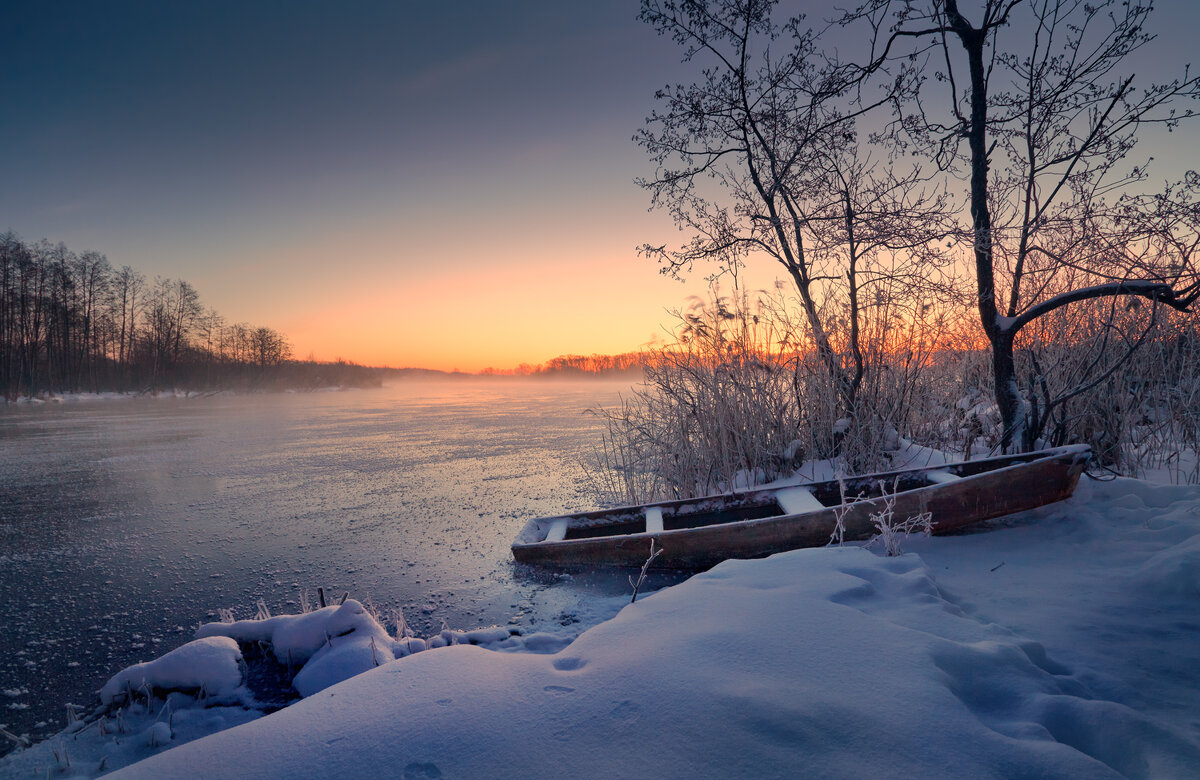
{"type": "Point", "coordinates": [126, 304]}
{"type": "Point", "coordinates": [93, 277]}
{"type": "Point", "coordinates": [762, 157]}
{"type": "Point", "coordinates": [35, 338]}
{"type": "Point", "coordinates": [269, 347]}
{"type": "Point", "coordinates": [1041, 122]}
{"type": "Point", "coordinates": [68, 320]}
{"type": "Point", "coordinates": [14, 259]}
{"type": "Point", "coordinates": [171, 313]}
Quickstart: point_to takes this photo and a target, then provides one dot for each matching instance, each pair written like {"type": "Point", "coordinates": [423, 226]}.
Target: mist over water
{"type": "Point", "coordinates": [125, 523]}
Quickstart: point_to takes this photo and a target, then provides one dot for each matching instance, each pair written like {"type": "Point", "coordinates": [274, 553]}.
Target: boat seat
{"type": "Point", "coordinates": [558, 530]}
{"type": "Point", "coordinates": [942, 477]}
{"type": "Point", "coordinates": [654, 520]}
{"type": "Point", "coordinates": [798, 500]}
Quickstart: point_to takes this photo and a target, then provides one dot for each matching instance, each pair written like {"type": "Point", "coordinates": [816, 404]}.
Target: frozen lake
{"type": "Point", "coordinates": [125, 523]}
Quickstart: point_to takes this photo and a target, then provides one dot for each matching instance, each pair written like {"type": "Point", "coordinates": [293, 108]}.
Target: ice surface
{"type": "Point", "coordinates": [125, 525]}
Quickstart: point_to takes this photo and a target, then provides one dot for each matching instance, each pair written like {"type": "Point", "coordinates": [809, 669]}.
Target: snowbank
{"type": "Point", "coordinates": [326, 646]}
{"type": "Point", "coordinates": [1174, 571]}
{"type": "Point", "coordinates": [208, 666]}
{"type": "Point", "coordinates": [1059, 643]}
{"type": "Point", "coordinates": [827, 662]}
{"type": "Point", "coordinates": [336, 643]}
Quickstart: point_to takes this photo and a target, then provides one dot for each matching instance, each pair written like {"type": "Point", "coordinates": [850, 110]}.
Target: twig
{"type": "Point", "coordinates": [642, 575]}
{"type": "Point", "coordinates": [22, 741]}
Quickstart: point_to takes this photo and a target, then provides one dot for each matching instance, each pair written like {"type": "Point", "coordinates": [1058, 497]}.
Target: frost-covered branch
{"type": "Point", "coordinates": [1159, 292]}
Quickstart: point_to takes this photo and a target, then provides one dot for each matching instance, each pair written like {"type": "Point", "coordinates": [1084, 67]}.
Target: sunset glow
{"type": "Point", "coordinates": [405, 185]}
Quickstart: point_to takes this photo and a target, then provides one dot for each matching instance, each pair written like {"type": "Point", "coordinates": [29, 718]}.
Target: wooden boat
{"type": "Point", "coordinates": [698, 533]}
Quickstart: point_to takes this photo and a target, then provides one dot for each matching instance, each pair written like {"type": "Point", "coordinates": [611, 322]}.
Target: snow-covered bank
{"type": "Point", "coordinates": [1063, 643]}
{"type": "Point", "coordinates": [59, 398]}
{"type": "Point", "coordinates": [76, 398]}
{"type": "Point", "coordinates": [84, 398]}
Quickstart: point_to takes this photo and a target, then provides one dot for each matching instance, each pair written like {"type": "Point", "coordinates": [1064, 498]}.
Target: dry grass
{"type": "Point", "coordinates": [717, 409]}
{"type": "Point", "coordinates": [739, 397]}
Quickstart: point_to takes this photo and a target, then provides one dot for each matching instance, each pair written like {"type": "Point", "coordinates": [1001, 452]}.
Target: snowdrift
{"type": "Point", "coordinates": [828, 662]}
{"type": "Point", "coordinates": [1060, 643]}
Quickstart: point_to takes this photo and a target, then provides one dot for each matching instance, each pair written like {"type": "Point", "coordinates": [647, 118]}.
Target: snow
{"type": "Point", "coordinates": [158, 734]}
{"type": "Point", "coordinates": [74, 398]}
{"type": "Point", "coordinates": [331, 644]}
{"type": "Point", "coordinates": [1062, 642]}
{"type": "Point", "coordinates": [796, 500]}
{"type": "Point", "coordinates": [1174, 571]}
{"type": "Point", "coordinates": [336, 643]}
{"type": "Point", "coordinates": [64, 397]}
{"type": "Point", "coordinates": [207, 664]}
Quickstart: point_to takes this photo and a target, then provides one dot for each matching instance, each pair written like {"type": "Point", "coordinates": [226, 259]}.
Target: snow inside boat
{"type": "Point", "coordinates": [698, 533]}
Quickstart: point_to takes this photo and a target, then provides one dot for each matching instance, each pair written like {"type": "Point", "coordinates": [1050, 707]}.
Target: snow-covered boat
{"type": "Point", "coordinates": [697, 533]}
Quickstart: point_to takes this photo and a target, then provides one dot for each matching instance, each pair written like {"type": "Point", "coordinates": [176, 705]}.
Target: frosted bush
{"type": "Point", "coordinates": [741, 398]}
{"type": "Point", "coordinates": [717, 408]}
{"type": "Point", "coordinates": [892, 532]}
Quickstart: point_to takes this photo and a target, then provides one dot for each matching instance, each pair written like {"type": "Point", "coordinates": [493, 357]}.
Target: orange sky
{"type": "Point", "coordinates": [410, 184]}
{"type": "Point", "coordinates": [525, 305]}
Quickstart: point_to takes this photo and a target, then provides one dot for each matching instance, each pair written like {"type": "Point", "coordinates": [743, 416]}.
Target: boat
{"type": "Point", "coordinates": [698, 533]}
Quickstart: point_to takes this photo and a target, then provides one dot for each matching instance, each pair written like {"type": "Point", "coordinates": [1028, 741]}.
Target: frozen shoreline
{"type": "Point", "coordinates": [77, 398]}
{"type": "Point", "coordinates": [1060, 642]}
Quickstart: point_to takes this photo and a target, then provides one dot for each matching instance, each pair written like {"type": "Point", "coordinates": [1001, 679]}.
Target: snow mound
{"type": "Point", "coordinates": [210, 665]}
{"type": "Point", "coordinates": [157, 735]}
{"type": "Point", "coordinates": [833, 660]}
{"type": "Point", "coordinates": [332, 644]}
{"type": "Point", "coordinates": [1174, 571]}
{"type": "Point", "coordinates": [294, 638]}
{"type": "Point", "coordinates": [336, 643]}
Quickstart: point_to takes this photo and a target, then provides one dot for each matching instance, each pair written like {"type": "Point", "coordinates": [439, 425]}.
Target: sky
{"type": "Point", "coordinates": [445, 185]}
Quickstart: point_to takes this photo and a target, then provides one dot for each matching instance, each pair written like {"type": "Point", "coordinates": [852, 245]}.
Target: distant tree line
{"type": "Point", "coordinates": [71, 322]}
{"type": "Point", "coordinates": [578, 365]}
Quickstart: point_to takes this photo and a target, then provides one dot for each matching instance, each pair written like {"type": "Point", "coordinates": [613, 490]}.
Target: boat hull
{"type": "Point", "coordinates": [975, 491]}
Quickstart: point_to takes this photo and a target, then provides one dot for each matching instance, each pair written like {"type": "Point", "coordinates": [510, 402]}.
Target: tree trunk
{"type": "Point", "coordinates": [1008, 396]}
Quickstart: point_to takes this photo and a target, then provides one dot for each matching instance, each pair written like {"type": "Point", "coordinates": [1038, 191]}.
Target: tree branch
{"type": "Point", "coordinates": [1160, 292]}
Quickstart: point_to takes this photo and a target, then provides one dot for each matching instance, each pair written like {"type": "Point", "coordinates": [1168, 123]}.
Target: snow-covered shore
{"type": "Point", "coordinates": [1063, 643]}
{"type": "Point", "coordinates": [77, 398]}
